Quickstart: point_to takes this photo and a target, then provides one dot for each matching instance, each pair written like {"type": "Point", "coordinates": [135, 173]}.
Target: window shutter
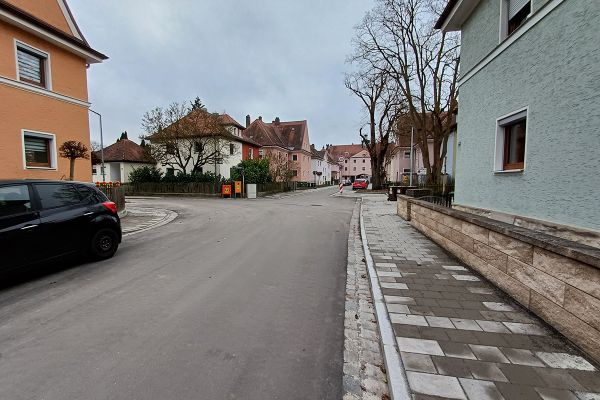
{"type": "Point", "coordinates": [514, 6]}
{"type": "Point", "coordinates": [30, 67]}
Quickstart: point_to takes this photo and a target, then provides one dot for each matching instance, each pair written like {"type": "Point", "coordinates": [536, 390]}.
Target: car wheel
{"type": "Point", "coordinates": [104, 244]}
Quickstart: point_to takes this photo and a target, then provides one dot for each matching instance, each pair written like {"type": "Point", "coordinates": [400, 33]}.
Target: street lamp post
{"type": "Point", "coordinates": [101, 146]}
{"type": "Point", "coordinates": [412, 131]}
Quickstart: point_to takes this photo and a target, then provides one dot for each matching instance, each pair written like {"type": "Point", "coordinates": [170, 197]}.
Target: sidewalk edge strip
{"type": "Point", "coordinates": [397, 381]}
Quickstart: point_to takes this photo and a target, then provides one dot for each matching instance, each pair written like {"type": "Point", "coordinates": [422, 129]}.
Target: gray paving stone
{"type": "Point", "coordinates": [587, 396]}
{"type": "Point", "coordinates": [564, 360]}
{"type": "Point", "coordinates": [421, 346]}
{"type": "Point", "coordinates": [480, 390]}
{"type": "Point", "coordinates": [555, 394]}
{"type": "Point", "coordinates": [475, 337]}
{"type": "Point", "coordinates": [488, 353]}
{"type": "Point", "coordinates": [418, 362]}
{"type": "Point", "coordinates": [435, 385]}
{"type": "Point", "coordinates": [458, 350]}
{"type": "Point", "coordinates": [522, 357]}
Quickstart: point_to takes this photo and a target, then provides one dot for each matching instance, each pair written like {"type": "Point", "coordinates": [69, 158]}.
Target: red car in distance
{"type": "Point", "coordinates": [360, 184]}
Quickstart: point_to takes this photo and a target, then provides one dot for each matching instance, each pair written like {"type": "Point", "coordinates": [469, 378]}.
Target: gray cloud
{"type": "Point", "coordinates": [263, 57]}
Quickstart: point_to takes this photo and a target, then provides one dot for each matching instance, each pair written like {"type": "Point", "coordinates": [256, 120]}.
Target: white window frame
{"type": "Point", "coordinates": [501, 122]}
{"type": "Point", "coordinates": [503, 33]}
{"type": "Point", "coordinates": [406, 156]}
{"type": "Point", "coordinates": [406, 170]}
{"type": "Point", "coordinates": [52, 146]}
{"type": "Point", "coordinates": [41, 53]}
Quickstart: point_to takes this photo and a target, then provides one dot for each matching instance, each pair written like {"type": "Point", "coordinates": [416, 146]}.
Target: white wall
{"type": "Point", "coordinates": [116, 171]}
{"type": "Point", "coordinates": [229, 160]}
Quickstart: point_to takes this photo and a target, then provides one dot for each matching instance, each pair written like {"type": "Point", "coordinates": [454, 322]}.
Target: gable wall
{"type": "Point", "coordinates": [47, 10]}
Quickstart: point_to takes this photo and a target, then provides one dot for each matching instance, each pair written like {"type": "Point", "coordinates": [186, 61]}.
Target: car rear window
{"type": "Point", "coordinates": [88, 191]}
{"type": "Point", "coordinates": [14, 199]}
{"type": "Point", "coordinates": [54, 195]}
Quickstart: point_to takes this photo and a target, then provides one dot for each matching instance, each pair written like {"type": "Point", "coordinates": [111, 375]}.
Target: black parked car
{"type": "Point", "coordinates": [41, 220]}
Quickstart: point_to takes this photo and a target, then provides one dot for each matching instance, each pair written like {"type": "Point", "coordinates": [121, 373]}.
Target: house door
{"type": "Point", "coordinates": [115, 172]}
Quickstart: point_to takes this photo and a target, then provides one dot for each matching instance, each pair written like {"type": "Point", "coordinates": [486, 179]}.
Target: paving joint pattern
{"type": "Point", "coordinates": [364, 373]}
{"type": "Point", "coordinates": [141, 219]}
{"type": "Point", "coordinates": [460, 337]}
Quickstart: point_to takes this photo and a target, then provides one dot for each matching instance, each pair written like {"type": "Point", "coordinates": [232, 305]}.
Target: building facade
{"type": "Point", "coordinates": [528, 122]}
{"type": "Point", "coordinates": [43, 87]}
{"type": "Point", "coordinates": [230, 145]}
{"type": "Point", "coordinates": [353, 161]}
{"type": "Point", "coordinates": [286, 144]}
{"type": "Point", "coordinates": [321, 166]}
{"type": "Point", "coordinates": [120, 159]}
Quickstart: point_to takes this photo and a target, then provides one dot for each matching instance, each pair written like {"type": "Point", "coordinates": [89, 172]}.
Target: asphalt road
{"type": "Point", "coordinates": [232, 300]}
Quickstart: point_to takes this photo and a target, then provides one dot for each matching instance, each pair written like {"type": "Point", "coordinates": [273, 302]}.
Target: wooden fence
{"type": "Point", "coordinates": [149, 188]}
{"type": "Point", "coordinates": [116, 194]}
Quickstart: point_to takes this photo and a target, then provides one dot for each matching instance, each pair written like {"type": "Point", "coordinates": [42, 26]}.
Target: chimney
{"type": "Point", "coordinates": [247, 120]}
{"type": "Point", "coordinates": [260, 118]}
{"type": "Point", "coordinates": [277, 121]}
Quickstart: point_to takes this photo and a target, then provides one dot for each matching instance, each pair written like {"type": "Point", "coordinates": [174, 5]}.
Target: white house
{"type": "Point", "coordinates": [231, 148]}
{"type": "Point", "coordinates": [120, 159]}
{"type": "Point", "coordinates": [321, 166]}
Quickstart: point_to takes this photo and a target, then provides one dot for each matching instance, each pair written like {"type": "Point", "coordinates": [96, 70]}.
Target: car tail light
{"type": "Point", "coordinates": [110, 206]}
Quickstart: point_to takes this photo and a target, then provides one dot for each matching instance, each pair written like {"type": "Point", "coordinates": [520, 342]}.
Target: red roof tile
{"type": "Point", "coordinates": [126, 150]}
{"type": "Point", "coordinates": [288, 135]}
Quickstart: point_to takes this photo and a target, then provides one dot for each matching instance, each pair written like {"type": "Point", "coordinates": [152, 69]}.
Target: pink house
{"type": "Point", "coordinates": [286, 144]}
{"type": "Point", "coordinates": [353, 160]}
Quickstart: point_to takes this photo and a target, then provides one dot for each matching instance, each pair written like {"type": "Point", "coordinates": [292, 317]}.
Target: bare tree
{"type": "Point", "coordinates": [397, 38]}
{"type": "Point", "coordinates": [384, 106]}
{"type": "Point", "coordinates": [185, 138]}
{"type": "Point", "coordinates": [73, 150]}
{"type": "Point", "coordinates": [95, 145]}
{"type": "Point", "coordinates": [280, 166]}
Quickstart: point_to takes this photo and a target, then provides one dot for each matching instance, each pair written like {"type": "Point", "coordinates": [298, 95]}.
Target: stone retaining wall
{"type": "Point", "coordinates": [557, 279]}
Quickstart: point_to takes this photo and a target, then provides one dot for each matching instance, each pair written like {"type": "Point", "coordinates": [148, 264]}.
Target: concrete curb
{"type": "Point", "coordinates": [397, 381]}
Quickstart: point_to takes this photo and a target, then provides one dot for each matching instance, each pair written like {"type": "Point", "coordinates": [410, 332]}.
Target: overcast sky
{"type": "Point", "coordinates": [259, 57]}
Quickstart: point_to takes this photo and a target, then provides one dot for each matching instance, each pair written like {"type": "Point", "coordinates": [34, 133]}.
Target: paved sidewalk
{"type": "Point", "coordinates": [459, 337]}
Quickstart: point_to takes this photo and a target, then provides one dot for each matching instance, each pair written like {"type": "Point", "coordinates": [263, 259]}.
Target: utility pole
{"type": "Point", "coordinates": [101, 146]}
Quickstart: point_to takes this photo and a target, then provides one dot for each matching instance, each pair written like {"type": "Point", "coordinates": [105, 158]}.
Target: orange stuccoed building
{"type": "Point", "coordinates": [43, 89]}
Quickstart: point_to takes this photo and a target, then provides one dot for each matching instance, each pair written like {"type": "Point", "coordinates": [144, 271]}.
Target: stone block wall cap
{"type": "Point", "coordinates": [567, 248]}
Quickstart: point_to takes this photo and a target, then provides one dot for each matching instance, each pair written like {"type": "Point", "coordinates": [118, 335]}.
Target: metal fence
{"type": "Point", "coordinates": [444, 200]}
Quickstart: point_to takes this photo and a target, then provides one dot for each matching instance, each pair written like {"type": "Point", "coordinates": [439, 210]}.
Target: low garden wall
{"type": "Point", "coordinates": [557, 279]}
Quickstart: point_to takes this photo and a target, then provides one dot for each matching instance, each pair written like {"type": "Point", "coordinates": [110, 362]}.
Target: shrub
{"type": "Point", "coordinates": [145, 174]}
{"type": "Point", "coordinates": [183, 177]}
{"type": "Point", "coordinates": [255, 171]}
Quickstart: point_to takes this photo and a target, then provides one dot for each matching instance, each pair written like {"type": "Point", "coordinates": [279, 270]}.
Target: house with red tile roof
{"type": "Point", "coordinates": [232, 146]}
{"type": "Point", "coordinates": [283, 142]}
{"type": "Point", "coordinates": [120, 159]}
{"type": "Point", "coordinates": [353, 159]}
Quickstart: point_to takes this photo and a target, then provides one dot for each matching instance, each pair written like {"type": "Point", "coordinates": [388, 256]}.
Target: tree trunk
{"type": "Point", "coordinates": [377, 172]}
{"type": "Point", "coordinates": [71, 168]}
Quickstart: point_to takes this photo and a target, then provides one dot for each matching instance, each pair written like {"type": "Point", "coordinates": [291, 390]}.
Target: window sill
{"type": "Point", "coordinates": [509, 171]}
{"type": "Point", "coordinates": [47, 168]}
{"type": "Point", "coordinates": [43, 87]}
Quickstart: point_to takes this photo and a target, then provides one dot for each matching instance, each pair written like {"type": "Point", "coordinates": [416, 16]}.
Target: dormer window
{"type": "Point", "coordinates": [32, 65]}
